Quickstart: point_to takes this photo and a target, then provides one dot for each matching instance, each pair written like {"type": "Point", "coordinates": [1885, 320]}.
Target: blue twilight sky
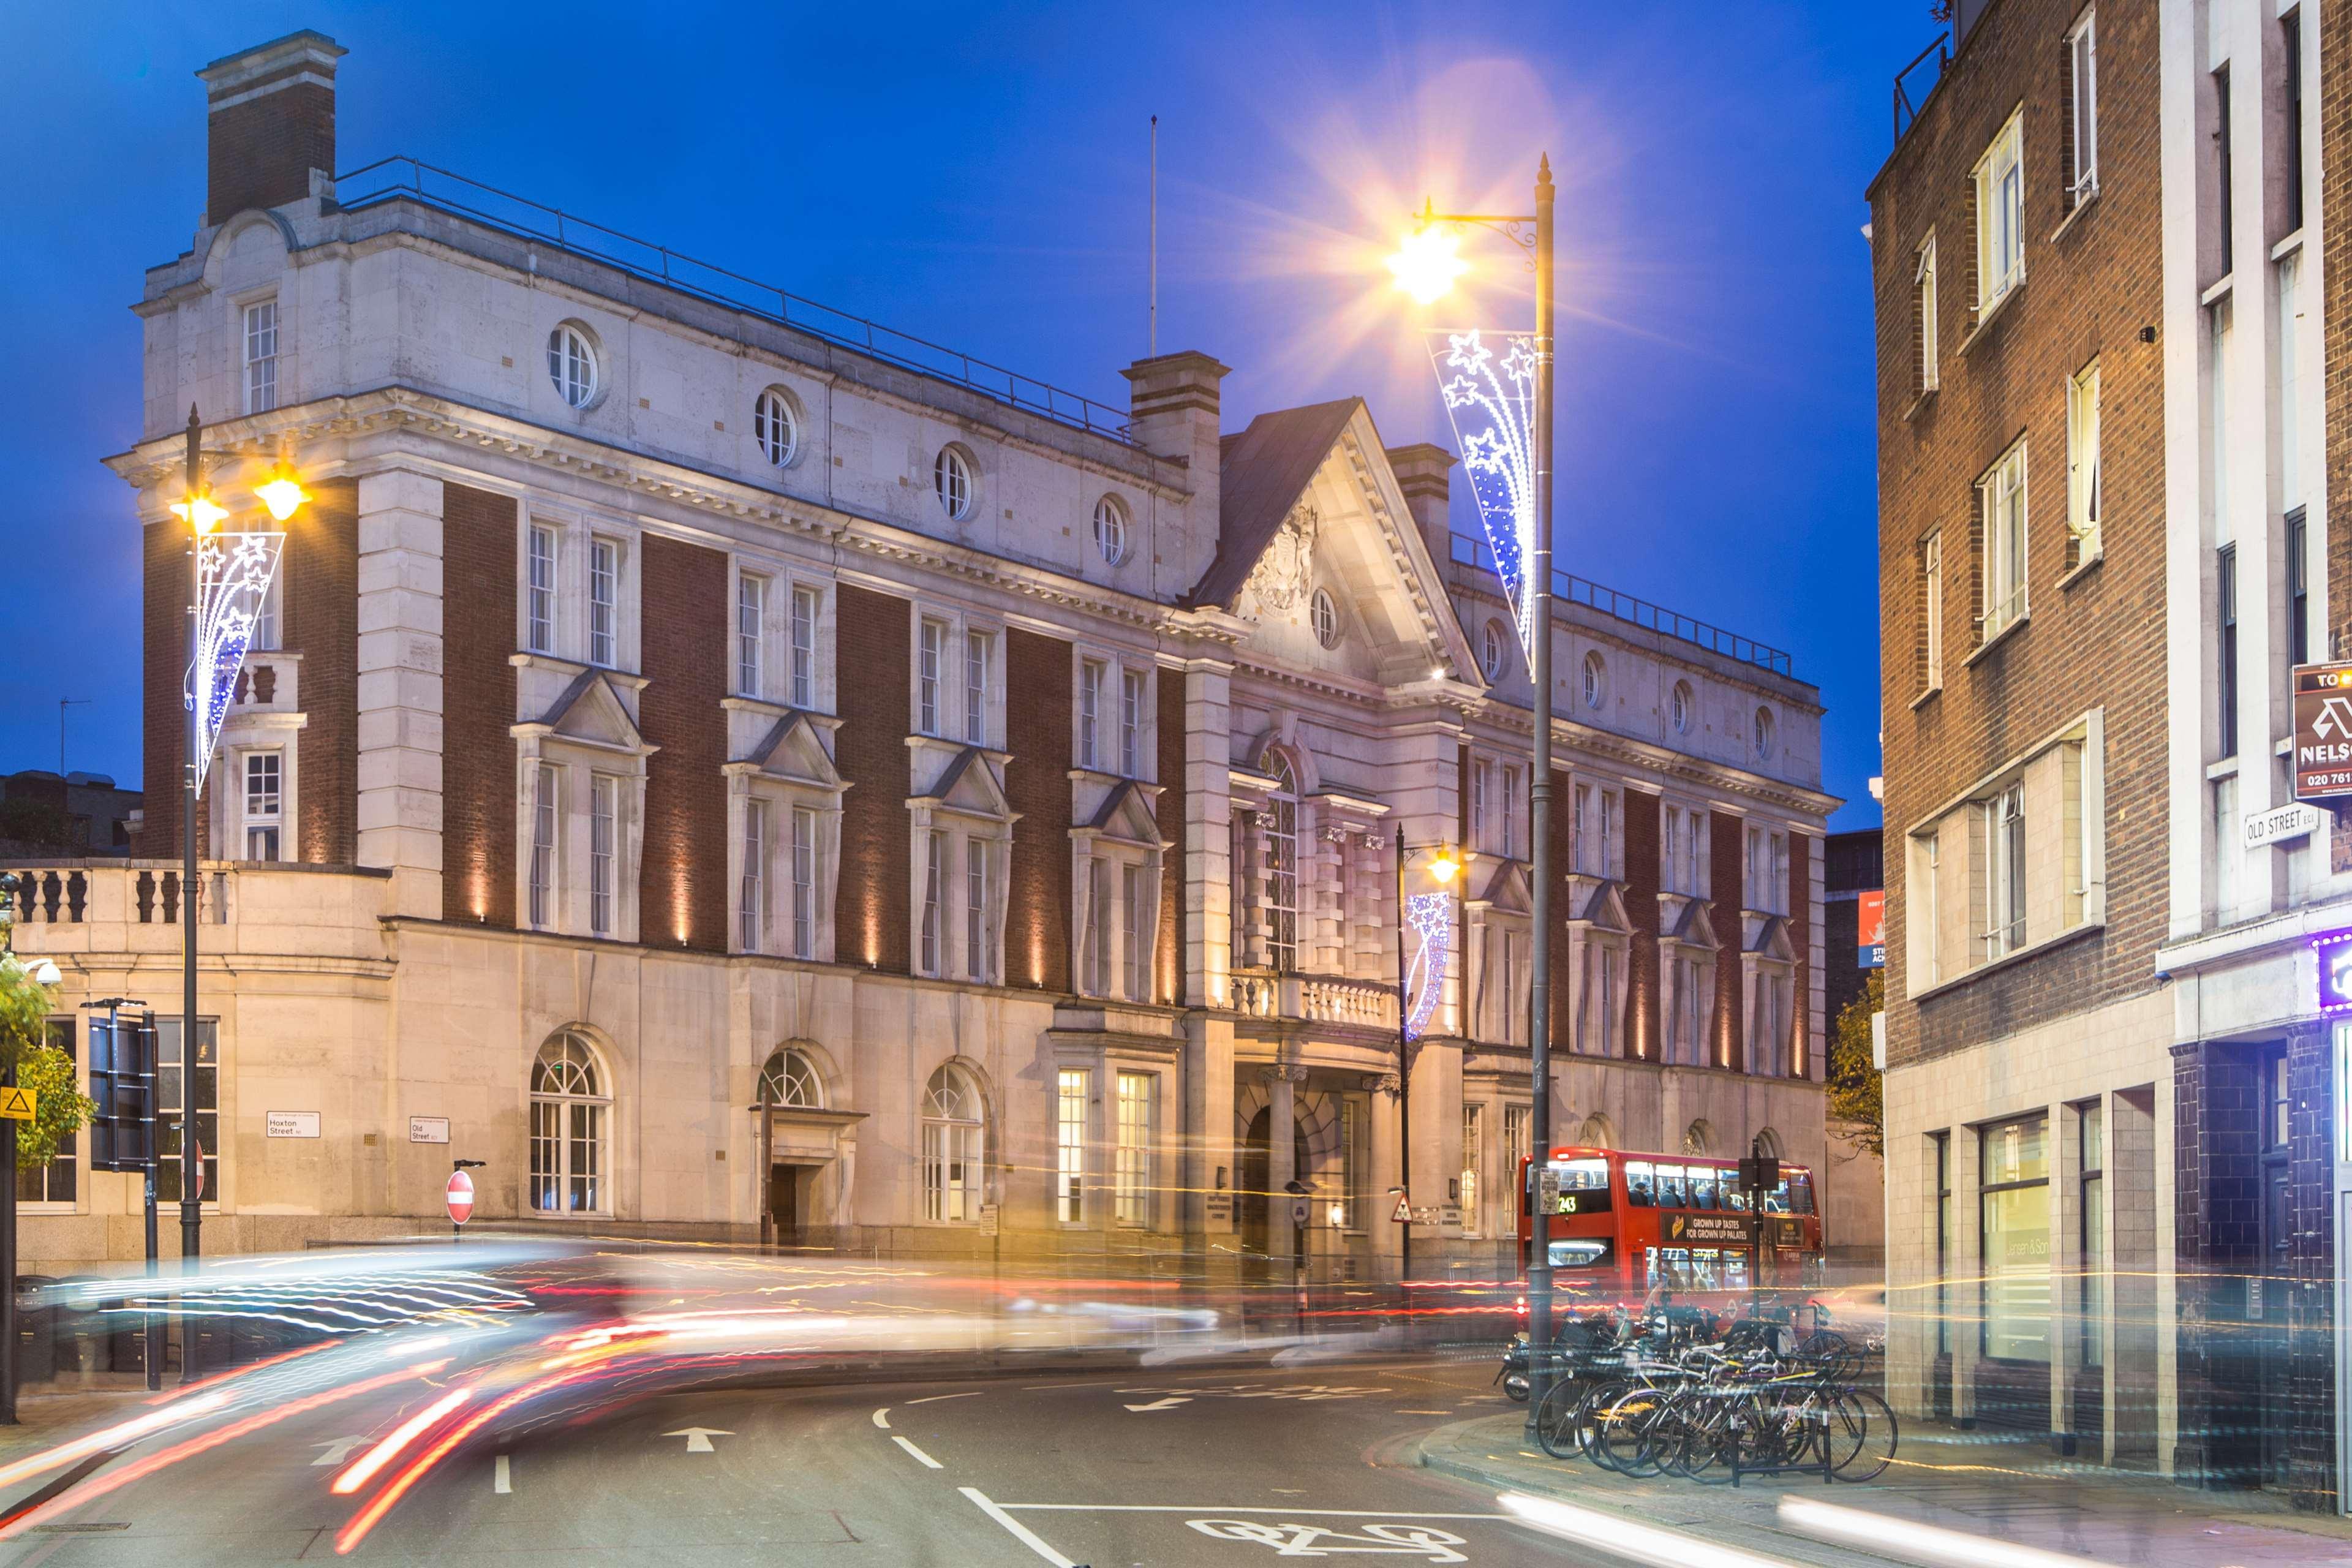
{"type": "Point", "coordinates": [977, 175]}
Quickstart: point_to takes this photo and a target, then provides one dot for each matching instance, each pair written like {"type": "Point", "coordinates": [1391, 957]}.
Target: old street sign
{"type": "Point", "coordinates": [2323, 731]}
{"type": "Point", "coordinates": [1707, 1229]}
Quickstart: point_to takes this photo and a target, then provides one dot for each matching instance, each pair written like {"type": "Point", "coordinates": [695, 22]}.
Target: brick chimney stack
{"type": "Point", "coordinates": [1421, 471]}
{"type": "Point", "coordinates": [1174, 400]}
{"type": "Point", "coordinates": [270, 121]}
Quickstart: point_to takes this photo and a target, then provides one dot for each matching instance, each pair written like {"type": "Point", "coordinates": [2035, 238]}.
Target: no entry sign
{"type": "Point", "coordinates": [460, 1197]}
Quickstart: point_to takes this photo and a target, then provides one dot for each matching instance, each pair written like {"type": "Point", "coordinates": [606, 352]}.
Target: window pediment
{"type": "Point", "coordinates": [1507, 892]}
{"type": "Point", "coordinates": [1602, 908]}
{"type": "Point", "coordinates": [590, 712]}
{"type": "Point", "coordinates": [968, 786]}
{"type": "Point", "coordinates": [1769, 939]}
{"type": "Point", "coordinates": [794, 752]}
{"type": "Point", "coordinates": [1126, 816]}
{"type": "Point", "coordinates": [1690, 927]}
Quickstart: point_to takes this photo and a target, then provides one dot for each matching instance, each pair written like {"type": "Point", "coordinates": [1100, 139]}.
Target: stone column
{"type": "Point", "coordinates": [1209, 1166]}
{"type": "Point", "coordinates": [1208, 838]}
{"type": "Point", "coordinates": [399, 666]}
{"type": "Point", "coordinates": [1281, 1169]}
{"type": "Point", "coordinates": [1386, 1170]}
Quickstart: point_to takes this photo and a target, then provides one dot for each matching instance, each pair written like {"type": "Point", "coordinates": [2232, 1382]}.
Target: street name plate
{"type": "Point", "coordinates": [291, 1125]}
{"type": "Point", "coordinates": [428, 1130]}
{"type": "Point", "coordinates": [2279, 824]}
{"type": "Point", "coordinates": [1218, 1207]}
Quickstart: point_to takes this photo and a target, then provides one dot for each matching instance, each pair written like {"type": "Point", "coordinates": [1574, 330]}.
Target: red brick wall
{"type": "Point", "coordinates": [2087, 292]}
{"type": "Point", "coordinates": [320, 602]}
{"type": "Point", "coordinates": [1803, 847]}
{"type": "Point", "coordinates": [260, 153]}
{"type": "Point", "coordinates": [478, 541]}
{"type": "Point", "coordinates": [1726, 874]}
{"type": "Point", "coordinates": [1037, 782]}
{"type": "Point", "coordinates": [870, 914]}
{"type": "Point", "coordinates": [1642, 1035]}
{"type": "Point", "coordinates": [163, 730]}
{"type": "Point", "coordinates": [682, 881]}
{"type": "Point", "coordinates": [1170, 984]}
{"type": "Point", "coordinates": [1563, 856]}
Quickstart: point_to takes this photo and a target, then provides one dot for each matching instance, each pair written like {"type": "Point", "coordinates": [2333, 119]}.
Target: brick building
{"type": "Point", "coordinates": [2109, 1159]}
{"type": "Point", "coordinates": [677, 701]}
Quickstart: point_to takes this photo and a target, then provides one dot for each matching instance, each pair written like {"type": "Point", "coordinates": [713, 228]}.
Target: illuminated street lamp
{"type": "Point", "coordinates": [1431, 917]}
{"type": "Point", "coordinates": [228, 582]}
{"type": "Point", "coordinates": [1509, 465]}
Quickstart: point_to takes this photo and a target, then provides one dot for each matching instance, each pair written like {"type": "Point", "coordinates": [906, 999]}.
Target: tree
{"type": "Point", "coordinates": [59, 1107]}
{"type": "Point", "coordinates": [1856, 1087]}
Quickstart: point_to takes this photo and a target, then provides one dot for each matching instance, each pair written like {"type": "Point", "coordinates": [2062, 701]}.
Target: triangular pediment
{"type": "Point", "coordinates": [1126, 815]}
{"type": "Point", "coordinates": [1309, 505]}
{"type": "Point", "coordinates": [1598, 902]}
{"type": "Point", "coordinates": [793, 750]}
{"type": "Point", "coordinates": [591, 711]}
{"type": "Point", "coordinates": [1694, 927]}
{"type": "Point", "coordinates": [1506, 887]}
{"type": "Point", "coordinates": [967, 784]}
{"type": "Point", "coordinates": [1771, 939]}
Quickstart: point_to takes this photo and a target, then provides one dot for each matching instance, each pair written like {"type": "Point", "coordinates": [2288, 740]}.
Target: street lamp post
{"type": "Point", "coordinates": [219, 629]}
{"type": "Point", "coordinates": [1427, 268]}
{"type": "Point", "coordinates": [1445, 865]}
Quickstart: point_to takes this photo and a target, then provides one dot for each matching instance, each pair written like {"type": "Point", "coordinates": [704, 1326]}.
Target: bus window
{"type": "Point", "coordinates": [1735, 1197]}
{"type": "Point", "coordinates": [1638, 1178]}
{"type": "Point", "coordinates": [1670, 1187]}
{"type": "Point", "coordinates": [1702, 1187]}
{"type": "Point", "coordinates": [1583, 1175]}
{"type": "Point", "coordinates": [1579, 1252]}
{"type": "Point", "coordinates": [1801, 1190]}
{"type": "Point", "coordinates": [1777, 1200]}
{"type": "Point", "coordinates": [1735, 1270]}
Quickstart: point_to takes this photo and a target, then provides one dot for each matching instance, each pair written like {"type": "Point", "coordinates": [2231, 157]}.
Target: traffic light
{"type": "Point", "coordinates": [123, 1082]}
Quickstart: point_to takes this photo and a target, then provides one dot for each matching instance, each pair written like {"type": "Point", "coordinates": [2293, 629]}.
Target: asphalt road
{"type": "Point", "coordinates": [1224, 1466]}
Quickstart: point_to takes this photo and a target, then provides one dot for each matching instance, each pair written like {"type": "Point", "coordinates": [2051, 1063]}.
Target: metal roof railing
{"type": "Point", "coordinates": [405, 178]}
{"type": "Point", "coordinates": [1468, 551]}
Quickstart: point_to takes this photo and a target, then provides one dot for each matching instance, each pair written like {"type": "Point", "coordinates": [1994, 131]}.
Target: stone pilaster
{"type": "Point", "coordinates": [399, 686]}
{"type": "Point", "coordinates": [1208, 843]}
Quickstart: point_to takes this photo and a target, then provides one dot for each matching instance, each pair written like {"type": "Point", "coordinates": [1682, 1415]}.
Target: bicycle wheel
{"type": "Point", "coordinates": [1708, 1444]}
{"type": "Point", "coordinates": [1556, 1419]}
{"type": "Point", "coordinates": [1862, 1435]}
{"type": "Point", "coordinates": [1623, 1431]}
{"type": "Point", "coordinates": [1585, 1427]}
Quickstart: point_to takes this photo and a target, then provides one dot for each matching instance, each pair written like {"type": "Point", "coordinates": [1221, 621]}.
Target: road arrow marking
{"type": "Point", "coordinates": [697, 1439]}
{"type": "Point", "coordinates": [1161, 1404]}
{"type": "Point", "coordinates": [337, 1450]}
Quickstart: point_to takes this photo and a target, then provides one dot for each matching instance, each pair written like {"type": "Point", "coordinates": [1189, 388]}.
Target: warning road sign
{"type": "Point", "coordinates": [17, 1104]}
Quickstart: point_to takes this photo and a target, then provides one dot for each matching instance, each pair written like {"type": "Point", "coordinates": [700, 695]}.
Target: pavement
{"type": "Point", "coordinates": [1942, 1480]}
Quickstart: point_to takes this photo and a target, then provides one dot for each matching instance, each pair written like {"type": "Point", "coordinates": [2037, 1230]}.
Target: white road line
{"type": "Point", "coordinates": [935, 1398]}
{"type": "Point", "coordinates": [920, 1457]}
{"type": "Point", "coordinates": [1219, 1508]}
{"type": "Point", "coordinates": [1018, 1530]}
{"type": "Point", "coordinates": [502, 1481]}
{"type": "Point", "coordinates": [882, 1418]}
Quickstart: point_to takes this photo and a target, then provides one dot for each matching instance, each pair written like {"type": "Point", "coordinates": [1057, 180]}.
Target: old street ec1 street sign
{"type": "Point", "coordinates": [2323, 731]}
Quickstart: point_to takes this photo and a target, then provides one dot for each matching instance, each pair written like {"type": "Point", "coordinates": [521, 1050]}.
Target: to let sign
{"type": "Point", "coordinates": [459, 1195]}
{"type": "Point", "coordinates": [2323, 731]}
{"type": "Point", "coordinates": [1871, 935]}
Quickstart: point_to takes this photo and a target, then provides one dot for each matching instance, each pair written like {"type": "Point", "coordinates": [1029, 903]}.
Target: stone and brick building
{"type": "Point", "coordinates": [2098, 246]}
{"type": "Point", "coordinates": [678, 703]}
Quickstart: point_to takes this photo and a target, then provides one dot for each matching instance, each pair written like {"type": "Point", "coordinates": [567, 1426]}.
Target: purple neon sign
{"type": "Point", "coordinates": [2335, 954]}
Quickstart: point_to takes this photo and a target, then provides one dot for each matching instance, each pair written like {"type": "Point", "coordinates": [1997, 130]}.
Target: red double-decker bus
{"type": "Point", "coordinates": [1626, 1221]}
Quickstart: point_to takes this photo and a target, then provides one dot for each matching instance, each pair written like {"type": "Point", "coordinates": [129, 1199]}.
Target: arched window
{"type": "Point", "coordinates": [1698, 1138]}
{"type": "Point", "coordinates": [1326, 611]}
{"type": "Point", "coordinates": [1596, 680]}
{"type": "Point", "coordinates": [776, 427]}
{"type": "Point", "coordinates": [1767, 1142]}
{"type": "Point", "coordinates": [1682, 707]}
{"type": "Point", "coordinates": [1110, 529]}
{"type": "Point", "coordinates": [789, 1082]}
{"type": "Point", "coordinates": [1596, 1133]}
{"type": "Point", "coordinates": [569, 1121]}
{"type": "Point", "coordinates": [955, 1148]}
{"type": "Point", "coordinates": [1282, 863]}
{"type": "Point", "coordinates": [572, 365]}
{"type": "Point", "coordinates": [1763, 735]}
{"type": "Point", "coordinates": [1491, 642]}
{"type": "Point", "coordinates": [951, 482]}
